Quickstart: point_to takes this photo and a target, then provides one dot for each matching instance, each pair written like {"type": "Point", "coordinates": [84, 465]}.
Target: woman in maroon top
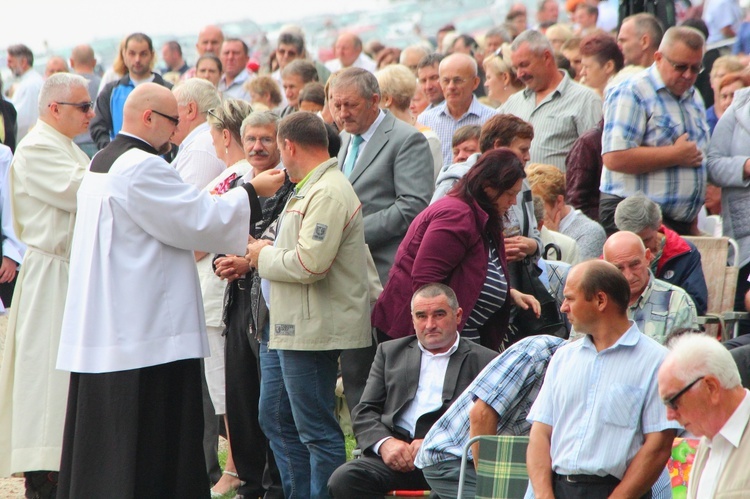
{"type": "Point", "coordinates": [458, 241]}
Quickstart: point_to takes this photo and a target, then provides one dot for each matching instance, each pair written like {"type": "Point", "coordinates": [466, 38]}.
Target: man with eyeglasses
{"type": "Point", "coordinates": [700, 384]}
{"type": "Point", "coordinates": [44, 178]}
{"type": "Point", "coordinates": [458, 80]}
{"type": "Point", "coordinates": [196, 160]}
{"type": "Point", "coordinates": [138, 56]}
{"type": "Point", "coordinates": [599, 428]}
{"type": "Point", "coordinates": [656, 136]}
{"type": "Point", "coordinates": [134, 329]}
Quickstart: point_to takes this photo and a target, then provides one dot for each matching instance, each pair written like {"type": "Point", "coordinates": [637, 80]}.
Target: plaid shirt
{"type": "Point", "coordinates": [641, 111]}
{"type": "Point", "coordinates": [444, 125]}
{"type": "Point", "coordinates": [661, 309]}
{"type": "Point", "coordinates": [509, 384]}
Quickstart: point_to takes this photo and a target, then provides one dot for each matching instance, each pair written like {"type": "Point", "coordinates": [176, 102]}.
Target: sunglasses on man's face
{"type": "Point", "coordinates": [84, 107]}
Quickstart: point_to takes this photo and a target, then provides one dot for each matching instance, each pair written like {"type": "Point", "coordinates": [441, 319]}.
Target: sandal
{"type": "Point", "coordinates": [234, 474]}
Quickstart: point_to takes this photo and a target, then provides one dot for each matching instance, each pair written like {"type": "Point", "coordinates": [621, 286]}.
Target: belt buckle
{"type": "Point", "coordinates": [241, 284]}
{"type": "Point", "coordinates": [569, 479]}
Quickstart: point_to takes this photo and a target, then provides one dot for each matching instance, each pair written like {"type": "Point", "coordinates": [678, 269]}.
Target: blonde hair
{"type": "Point", "coordinates": [498, 65]}
{"type": "Point", "coordinates": [398, 82]}
{"type": "Point", "coordinates": [546, 181]}
{"type": "Point", "coordinates": [229, 116]}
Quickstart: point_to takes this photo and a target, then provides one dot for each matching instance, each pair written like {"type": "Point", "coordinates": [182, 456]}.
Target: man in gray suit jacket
{"type": "Point", "coordinates": [387, 161]}
{"type": "Point", "coordinates": [412, 383]}
{"type": "Point", "coordinates": [390, 167]}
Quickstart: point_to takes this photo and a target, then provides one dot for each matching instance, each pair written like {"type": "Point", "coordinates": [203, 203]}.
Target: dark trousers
{"type": "Point", "coordinates": [355, 368]}
{"type": "Point", "coordinates": [370, 477]}
{"type": "Point", "coordinates": [608, 204]}
{"type": "Point", "coordinates": [250, 451]}
{"type": "Point", "coordinates": [565, 489]}
{"type": "Point", "coordinates": [739, 297]}
{"type": "Point", "coordinates": [210, 433]}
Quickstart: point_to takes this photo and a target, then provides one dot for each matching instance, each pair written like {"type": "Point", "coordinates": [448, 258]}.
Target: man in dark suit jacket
{"type": "Point", "coordinates": [412, 382]}
{"type": "Point", "coordinates": [390, 167]}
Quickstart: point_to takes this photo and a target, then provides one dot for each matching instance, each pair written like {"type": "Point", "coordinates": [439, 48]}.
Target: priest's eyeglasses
{"type": "Point", "coordinates": [84, 107]}
{"type": "Point", "coordinates": [172, 119]}
{"type": "Point", "coordinates": [672, 401]}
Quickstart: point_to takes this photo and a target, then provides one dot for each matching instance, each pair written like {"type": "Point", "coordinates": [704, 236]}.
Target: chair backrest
{"type": "Point", "coordinates": [721, 277]}
{"type": "Point", "coordinates": [501, 468]}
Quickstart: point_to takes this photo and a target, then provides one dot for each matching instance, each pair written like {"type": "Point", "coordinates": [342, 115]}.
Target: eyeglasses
{"type": "Point", "coordinates": [265, 141]}
{"type": "Point", "coordinates": [84, 107]}
{"type": "Point", "coordinates": [456, 80]}
{"type": "Point", "coordinates": [696, 69]}
{"type": "Point", "coordinates": [212, 112]}
{"type": "Point", "coordinates": [172, 119]}
{"type": "Point", "coordinates": [672, 401]}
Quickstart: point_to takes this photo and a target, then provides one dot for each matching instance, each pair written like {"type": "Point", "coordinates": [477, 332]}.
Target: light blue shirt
{"type": "Point", "coordinates": [601, 404]}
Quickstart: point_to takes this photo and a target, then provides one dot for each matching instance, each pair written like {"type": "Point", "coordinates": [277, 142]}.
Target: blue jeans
{"type": "Point", "coordinates": [297, 398]}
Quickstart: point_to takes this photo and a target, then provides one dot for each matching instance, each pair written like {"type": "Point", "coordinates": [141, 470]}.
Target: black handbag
{"type": "Point", "coordinates": [526, 323]}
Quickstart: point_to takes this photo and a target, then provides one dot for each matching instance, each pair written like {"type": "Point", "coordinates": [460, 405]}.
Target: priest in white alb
{"type": "Point", "coordinates": [133, 329]}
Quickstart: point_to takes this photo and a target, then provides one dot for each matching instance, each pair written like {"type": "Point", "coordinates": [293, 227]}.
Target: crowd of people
{"type": "Point", "coordinates": [211, 249]}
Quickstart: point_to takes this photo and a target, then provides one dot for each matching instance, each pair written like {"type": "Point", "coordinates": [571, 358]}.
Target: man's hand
{"type": "Point", "coordinates": [397, 455]}
{"type": "Point", "coordinates": [8, 270]}
{"type": "Point", "coordinates": [688, 152]}
{"type": "Point", "coordinates": [268, 182]}
{"type": "Point", "coordinates": [414, 446]}
{"type": "Point", "coordinates": [231, 267]}
{"type": "Point", "coordinates": [253, 250]}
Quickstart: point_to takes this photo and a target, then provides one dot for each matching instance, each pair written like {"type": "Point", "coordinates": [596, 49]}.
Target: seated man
{"type": "Point", "coordinates": [496, 403]}
{"type": "Point", "coordinates": [700, 386]}
{"type": "Point", "coordinates": [656, 306]}
{"type": "Point", "coordinates": [676, 260]}
{"type": "Point", "coordinates": [412, 382]}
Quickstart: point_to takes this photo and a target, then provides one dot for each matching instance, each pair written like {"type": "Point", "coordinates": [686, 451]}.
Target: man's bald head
{"type": "Point", "coordinates": [458, 79]}
{"type": "Point", "coordinates": [625, 250]}
{"type": "Point", "coordinates": [150, 112]}
{"type": "Point", "coordinates": [82, 59]}
{"type": "Point", "coordinates": [210, 39]}
{"type": "Point", "coordinates": [624, 241]}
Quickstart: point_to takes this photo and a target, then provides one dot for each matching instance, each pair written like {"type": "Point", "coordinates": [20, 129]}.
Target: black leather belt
{"type": "Point", "coordinates": [589, 479]}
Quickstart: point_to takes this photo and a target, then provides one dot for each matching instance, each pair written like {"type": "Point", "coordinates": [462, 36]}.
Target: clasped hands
{"type": "Point", "coordinates": [399, 455]}
{"type": "Point", "coordinates": [232, 267]}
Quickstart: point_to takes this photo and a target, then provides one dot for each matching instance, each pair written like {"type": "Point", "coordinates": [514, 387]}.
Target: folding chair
{"type": "Point", "coordinates": [501, 467]}
{"type": "Point", "coordinates": [721, 280]}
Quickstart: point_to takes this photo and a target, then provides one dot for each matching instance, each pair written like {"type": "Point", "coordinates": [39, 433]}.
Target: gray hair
{"type": "Point", "coordinates": [413, 48]}
{"type": "Point", "coordinates": [302, 68]}
{"type": "Point", "coordinates": [362, 80]}
{"type": "Point", "coordinates": [200, 91]}
{"type": "Point", "coordinates": [645, 23]}
{"type": "Point", "coordinates": [697, 355]}
{"type": "Point", "coordinates": [538, 43]}
{"type": "Point", "coordinates": [58, 87]}
{"type": "Point", "coordinates": [691, 37]}
{"type": "Point", "coordinates": [502, 31]}
{"type": "Point", "coordinates": [260, 118]}
{"type": "Point", "coordinates": [637, 212]}
{"type": "Point", "coordinates": [433, 290]}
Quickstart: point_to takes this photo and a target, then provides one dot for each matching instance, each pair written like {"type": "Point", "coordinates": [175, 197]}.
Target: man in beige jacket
{"type": "Point", "coordinates": [319, 305]}
{"type": "Point", "coordinates": [700, 384]}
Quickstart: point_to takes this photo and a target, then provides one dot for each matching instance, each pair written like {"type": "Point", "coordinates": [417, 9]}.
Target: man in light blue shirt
{"type": "Point", "coordinates": [611, 434]}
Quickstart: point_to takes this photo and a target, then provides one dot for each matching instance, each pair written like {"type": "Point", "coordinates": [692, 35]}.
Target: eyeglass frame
{"type": "Point", "coordinates": [681, 68]}
{"type": "Point", "coordinates": [172, 119]}
{"type": "Point", "coordinates": [84, 107]}
{"type": "Point", "coordinates": [456, 80]}
{"type": "Point", "coordinates": [671, 402]}
{"type": "Point", "coordinates": [212, 112]}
